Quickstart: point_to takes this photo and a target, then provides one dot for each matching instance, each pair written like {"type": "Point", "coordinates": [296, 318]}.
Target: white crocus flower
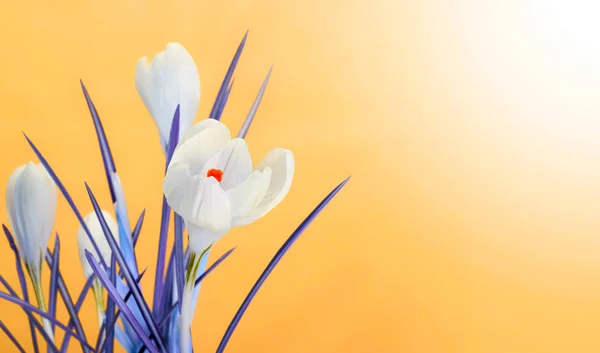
{"type": "Point", "coordinates": [211, 184]}
{"type": "Point", "coordinates": [31, 207]}
{"type": "Point", "coordinates": [170, 80]}
{"type": "Point", "coordinates": [93, 224]}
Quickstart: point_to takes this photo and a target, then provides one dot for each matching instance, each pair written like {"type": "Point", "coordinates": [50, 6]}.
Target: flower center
{"type": "Point", "coordinates": [215, 173]}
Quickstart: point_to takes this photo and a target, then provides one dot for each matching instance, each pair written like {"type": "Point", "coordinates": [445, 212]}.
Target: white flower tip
{"type": "Point", "coordinates": [31, 208]}
{"type": "Point", "coordinates": [169, 80]}
{"type": "Point", "coordinates": [92, 222]}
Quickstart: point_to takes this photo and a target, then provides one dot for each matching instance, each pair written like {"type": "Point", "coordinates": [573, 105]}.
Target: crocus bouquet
{"type": "Point", "coordinates": [210, 186]}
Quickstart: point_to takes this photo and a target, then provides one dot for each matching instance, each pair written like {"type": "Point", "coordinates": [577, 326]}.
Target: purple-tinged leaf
{"type": "Point", "coordinates": [110, 302]}
{"type": "Point", "coordinates": [107, 158]}
{"type": "Point", "coordinates": [83, 293]}
{"type": "Point", "coordinates": [11, 337]}
{"type": "Point", "coordinates": [173, 137]}
{"type": "Point", "coordinates": [173, 302]}
{"type": "Point", "coordinates": [77, 307]}
{"type": "Point", "coordinates": [137, 294]}
{"type": "Point", "coordinates": [120, 303]}
{"type": "Point", "coordinates": [179, 266]}
{"type": "Point", "coordinates": [227, 79]}
{"type": "Point", "coordinates": [162, 249]}
{"type": "Point", "coordinates": [68, 301]}
{"type": "Point", "coordinates": [168, 295]}
{"type": "Point", "coordinates": [67, 197]}
{"type": "Point", "coordinates": [212, 267]}
{"type": "Point", "coordinates": [30, 309]}
{"type": "Point", "coordinates": [111, 324]}
{"type": "Point", "coordinates": [135, 235]}
{"type": "Point", "coordinates": [224, 100]}
{"type": "Point", "coordinates": [114, 184]}
{"type": "Point", "coordinates": [250, 116]}
{"type": "Point", "coordinates": [53, 280]}
{"type": "Point", "coordinates": [169, 317]}
{"type": "Point", "coordinates": [280, 253]}
{"type": "Point", "coordinates": [168, 299]}
{"type": "Point", "coordinates": [36, 324]}
{"type": "Point", "coordinates": [164, 222]}
{"type": "Point", "coordinates": [168, 314]}
{"type": "Point", "coordinates": [124, 339]}
{"type": "Point", "coordinates": [22, 282]}
{"type": "Point", "coordinates": [125, 237]}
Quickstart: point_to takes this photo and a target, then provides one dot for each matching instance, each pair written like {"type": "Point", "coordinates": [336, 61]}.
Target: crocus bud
{"type": "Point", "coordinates": [93, 224]}
{"type": "Point", "coordinates": [170, 80]}
{"type": "Point", "coordinates": [31, 207]}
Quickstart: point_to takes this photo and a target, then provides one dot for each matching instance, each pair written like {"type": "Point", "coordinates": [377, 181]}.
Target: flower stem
{"type": "Point", "coordinates": [186, 316]}
{"type": "Point", "coordinates": [99, 297]}
{"type": "Point", "coordinates": [36, 281]}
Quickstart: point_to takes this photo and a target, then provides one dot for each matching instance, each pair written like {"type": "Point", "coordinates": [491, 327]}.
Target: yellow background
{"type": "Point", "coordinates": [470, 128]}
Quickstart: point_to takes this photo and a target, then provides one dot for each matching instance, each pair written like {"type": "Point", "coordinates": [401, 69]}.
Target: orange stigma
{"type": "Point", "coordinates": [215, 173]}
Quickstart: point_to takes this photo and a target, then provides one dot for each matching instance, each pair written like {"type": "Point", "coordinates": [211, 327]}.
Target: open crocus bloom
{"type": "Point", "coordinates": [211, 184]}
{"type": "Point", "coordinates": [170, 80]}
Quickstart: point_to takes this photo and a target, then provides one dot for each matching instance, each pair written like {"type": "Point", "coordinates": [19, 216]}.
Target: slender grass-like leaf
{"type": "Point", "coordinates": [36, 323]}
{"type": "Point", "coordinates": [76, 308]}
{"type": "Point", "coordinates": [125, 236]}
{"type": "Point", "coordinates": [110, 302]}
{"type": "Point", "coordinates": [137, 294]}
{"type": "Point", "coordinates": [172, 309]}
{"type": "Point", "coordinates": [168, 296]}
{"type": "Point", "coordinates": [159, 283]}
{"type": "Point", "coordinates": [83, 293]}
{"type": "Point", "coordinates": [30, 310]}
{"type": "Point", "coordinates": [114, 184]}
{"type": "Point", "coordinates": [107, 158]}
{"type": "Point", "coordinates": [11, 337]}
{"type": "Point", "coordinates": [53, 289]}
{"type": "Point", "coordinates": [178, 245]}
{"type": "Point", "coordinates": [169, 312]}
{"type": "Point", "coordinates": [66, 195]}
{"type": "Point", "coordinates": [22, 282]}
{"type": "Point", "coordinates": [212, 267]}
{"type": "Point", "coordinates": [111, 324]}
{"type": "Point", "coordinates": [252, 113]}
{"type": "Point", "coordinates": [225, 99]}
{"type": "Point", "coordinates": [135, 235]}
{"type": "Point", "coordinates": [120, 303]}
{"type": "Point", "coordinates": [164, 223]}
{"type": "Point", "coordinates": [227, 79]}
{"type": "Point", "coordinates": [68, 301]}
{"type": "Point", "coordinates": [282, 251]}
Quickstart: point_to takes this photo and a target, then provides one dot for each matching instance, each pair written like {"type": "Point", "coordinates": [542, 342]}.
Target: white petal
{"type": "Point", "coordinates": [246, 196]}
{"type": "Point", "coordinates": [199, 200]}
{"type": "Point", "coordinates": [199, 126]}
{"type": "Point", "coordinates": [171, 79]}
{"type": "Point", "coordinates": [234, 161]}
{"type": "Point", "coordinates": [84, 243]}
{"type": "Point", "coordinates": [31, 207]}
{"type": "Point", "coordinates": [143, 83]}
{"type": "Point", "coordinates": [281, 162]}
{"type": "Point", "coordinates": [206, 139]}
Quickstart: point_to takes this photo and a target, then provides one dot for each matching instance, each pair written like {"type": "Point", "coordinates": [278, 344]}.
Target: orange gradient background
{"type": "Point", "coordinates": [471, 129]}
